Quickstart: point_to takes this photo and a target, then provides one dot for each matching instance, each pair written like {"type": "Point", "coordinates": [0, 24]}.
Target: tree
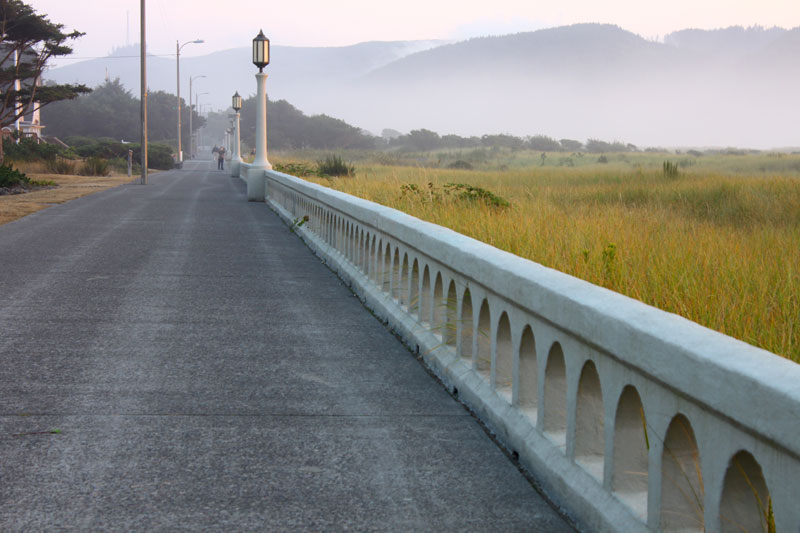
{"type": "Point", "coordinates": [28, 41]}
{"type": "Point", "coordinates": [421, 140]}
{"type": "Point", "coordinates": [571, 145]}
{"type": "Point", "coordinates": [111, 110]}
{"type": "Point", "coordinates": [544, 143]}
{"type": "Point", "coordinates": [289, 128]}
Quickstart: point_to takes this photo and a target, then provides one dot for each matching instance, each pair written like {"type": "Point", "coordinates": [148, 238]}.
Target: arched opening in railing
{"type": "Point", "coordinates": [425, 297]}
{"type": "Point", "coordinates": [528, 396]}
{"type": "Point", "coordinates": [371, 258]}
{"type": "Point", "coordinates": [349, 240]}
{"type": "Point", "coordinates": [346, 238]}
{"type": "Point", "coordinates": [466, 323]}
{"type": "Point", "coordinates": [360, 255]}
{"type": "Point", "coordinates": [746, 503]}
{"type": "Point", "coordinates": [629, 480]}
{"type": "Point", "coordinates": [365, 236]}
{"type": "Point", "coordinates": [589, 422]}
{"type": "Point", "coordinates": [354, 244]}
{"type": "Point", "coordinates": [396, 285]}
{"type": "Point", "coordinates": [378, 271]}
{"type": "Point", "coordinates": [438, 307]}
{"type": "Point", "coordinates": [413, 296]}
{"type": "Point", "coordinates": [503, 374]}
{"type": "Point", "coordinates": [682, 489]}
{"type": "Point", "coordinates": [451, 324]}
{"type": "Point", "coordinates": [404, 281]}
{"type": "Point", "coordinates": [387, 270]}
{"type": "Point", "coordinates": [483, 359]}
{"type": "Point", "coordinates": [555, 397]}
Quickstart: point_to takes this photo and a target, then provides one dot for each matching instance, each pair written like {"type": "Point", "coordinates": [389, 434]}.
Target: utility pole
{"type": "Point", "coordinates": [143, 53]}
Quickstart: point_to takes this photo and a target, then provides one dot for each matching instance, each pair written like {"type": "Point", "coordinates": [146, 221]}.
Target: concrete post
{"type": "Point", "coordinates": [256, 180]}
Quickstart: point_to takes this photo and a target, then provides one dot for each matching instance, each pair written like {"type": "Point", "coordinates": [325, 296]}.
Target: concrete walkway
{"type": "Point", "coordinates": [172, 357]}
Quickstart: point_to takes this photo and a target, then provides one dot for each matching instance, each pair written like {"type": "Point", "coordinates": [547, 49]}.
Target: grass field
{"type": "Point", "coordinates": [718, 244]}
{"type": "Point", "coordinates": [68, 187]}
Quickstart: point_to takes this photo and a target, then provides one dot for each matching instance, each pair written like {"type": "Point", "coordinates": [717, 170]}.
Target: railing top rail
{"type": "Point", "coordinates": [756, 389]}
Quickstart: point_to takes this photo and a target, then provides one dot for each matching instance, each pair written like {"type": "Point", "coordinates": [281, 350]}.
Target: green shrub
{"type": "Point", "coordinates": [472, 193]}
{"type": "Point", "coordinates": [602, 159]}
{"type": "Point", "coordinates": [302, 170]}
{"type": "Point", "coordinates": [334, 166]}
{"type": "Point", "coordinates": [11, 177]}
{"type": "Point", "coordinates": [59, 165]}
{"type": "Point", "coordinates": [95, 166]}
{"type": "Point", "coordinates": [159, 156]}
{"type": "Point", "coordinates": [670, 170]}
{"type": "Point", "coordinates": [460, 165]}
{"type": "Point", "coordinates": [28, 150]}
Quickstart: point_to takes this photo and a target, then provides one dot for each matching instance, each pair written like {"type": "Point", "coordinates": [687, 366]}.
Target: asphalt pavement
{"type": "Point", "coordinates": [173, 358]}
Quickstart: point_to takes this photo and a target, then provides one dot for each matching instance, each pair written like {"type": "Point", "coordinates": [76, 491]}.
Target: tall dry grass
{"type": "Point", "coordinates": [720, 249]}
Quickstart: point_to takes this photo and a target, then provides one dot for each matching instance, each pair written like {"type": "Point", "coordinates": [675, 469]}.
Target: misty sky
{"type": "Point", "coordinates": [233, 23]}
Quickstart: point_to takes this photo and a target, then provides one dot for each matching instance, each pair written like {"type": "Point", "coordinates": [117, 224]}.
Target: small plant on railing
{"type": "Point", "coordinates": [334, 166]}
{"type": "Point", "coordinates": [298, 223]}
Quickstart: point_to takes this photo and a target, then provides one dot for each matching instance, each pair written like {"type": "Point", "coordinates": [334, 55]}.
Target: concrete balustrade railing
{"type": "Point", "coordinates": [633, 419]}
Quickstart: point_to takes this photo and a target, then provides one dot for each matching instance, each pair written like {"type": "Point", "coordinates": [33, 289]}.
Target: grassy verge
{"type": "Point", "coordinates": [63, 188]}
{"type": "Point", "coordinates": [717, 244]}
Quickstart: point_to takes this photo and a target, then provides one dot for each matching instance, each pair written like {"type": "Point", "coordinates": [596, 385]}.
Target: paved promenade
{"type": "Point", "coordinates": [173, 358]}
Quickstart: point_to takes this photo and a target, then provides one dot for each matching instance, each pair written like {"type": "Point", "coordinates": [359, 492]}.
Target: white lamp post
{"type": "Point", "coordinates": [256, 182]}
{"type": "Point", "coordinates": [191, 108]}
{"type": "Point", "coordinates": [236, 156]}
{"type": "Point", "coordinates": [178, 46]}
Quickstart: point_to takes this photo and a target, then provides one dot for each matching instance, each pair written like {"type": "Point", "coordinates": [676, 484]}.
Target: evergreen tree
{"type": "Point", "coordinates": [28, 41]}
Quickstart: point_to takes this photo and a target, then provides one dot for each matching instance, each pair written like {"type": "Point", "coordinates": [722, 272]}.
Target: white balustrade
{"type": "Point", "coordinates": [633, 419]}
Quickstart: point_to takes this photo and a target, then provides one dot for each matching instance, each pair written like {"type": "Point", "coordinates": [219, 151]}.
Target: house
{"type": "Point", "coordinates": [29, 124]}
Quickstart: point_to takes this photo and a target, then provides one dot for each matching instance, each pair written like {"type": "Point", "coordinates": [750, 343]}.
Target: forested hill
{"type": "Point", "coordinates": [728, 87]}
{"type": "Point", "coordinates": [567, 51]}
{"type": "Point", "coordinates": [580, 49]}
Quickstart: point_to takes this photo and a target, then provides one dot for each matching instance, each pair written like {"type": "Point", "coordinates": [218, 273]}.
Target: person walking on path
{"type": "Point", "coordinates": [221, 160]}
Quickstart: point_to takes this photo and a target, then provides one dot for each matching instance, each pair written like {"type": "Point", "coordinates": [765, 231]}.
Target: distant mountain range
{"type": "Point", "coordinates": [734, 86]}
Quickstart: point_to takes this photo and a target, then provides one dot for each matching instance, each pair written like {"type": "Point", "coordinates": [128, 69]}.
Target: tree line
{"type": "Point", "coordinates": [112, 111]}
{"type": "Point", "coordinates": [425, 140]}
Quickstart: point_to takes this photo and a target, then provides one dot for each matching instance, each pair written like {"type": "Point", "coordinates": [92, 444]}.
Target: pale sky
{"type": "Point", "coordinates": [233, 23]}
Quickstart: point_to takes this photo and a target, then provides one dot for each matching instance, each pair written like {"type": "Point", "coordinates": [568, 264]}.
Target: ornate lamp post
{"type": "Point", "coordinates": [236, 156]}
{"type": "Point", "coordinates": [178, 47]}
{"type": "Point", "coordinates": [256, 183]}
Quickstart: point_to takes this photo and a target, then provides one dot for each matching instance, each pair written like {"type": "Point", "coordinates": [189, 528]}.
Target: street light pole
{"type": "Point", "coordinates": [178, 46]}
{"type": "Point", "coordinates": [256, 180]}
{"type": "Point", "coordinates": [143, 54]}
{"type": "Point", "coordinates": [236, 156]}
{"type": "Point", "coordinates": [191, 130]}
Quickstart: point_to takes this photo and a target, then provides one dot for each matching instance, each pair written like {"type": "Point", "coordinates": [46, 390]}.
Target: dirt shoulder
{"type": "Point", "coordinates": [14, 206]}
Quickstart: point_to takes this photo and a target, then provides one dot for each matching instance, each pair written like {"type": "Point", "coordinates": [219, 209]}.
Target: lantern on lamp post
{"type": "Point", "coordinates": [261, 51]}
{"type": "Point", "coordinates": [256, 181]}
